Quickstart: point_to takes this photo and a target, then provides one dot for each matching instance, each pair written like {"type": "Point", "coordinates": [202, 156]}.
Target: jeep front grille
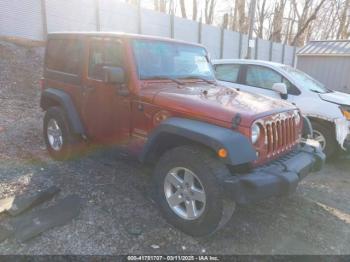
{"type": "Point", "coordinates": [280, 135]}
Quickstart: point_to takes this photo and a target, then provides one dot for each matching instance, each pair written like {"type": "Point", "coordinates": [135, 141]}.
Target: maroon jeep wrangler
{"type": "Point", "coordinates": [211, 147]}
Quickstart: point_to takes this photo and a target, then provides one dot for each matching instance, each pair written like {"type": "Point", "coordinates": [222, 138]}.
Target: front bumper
{"type": "Point", "coordinates": [280, 177]}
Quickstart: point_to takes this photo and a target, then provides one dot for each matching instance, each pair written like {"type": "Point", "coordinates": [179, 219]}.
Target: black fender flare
{"type": "Point", "coordinates": [63, 99]}
{"type": "Point", "coordinates": [240, 150]}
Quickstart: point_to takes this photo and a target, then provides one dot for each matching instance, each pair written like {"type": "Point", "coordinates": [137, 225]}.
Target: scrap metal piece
{"type": "Point", "coordinates": [31, 225]}
{"type": "Point", "coordinates": [18, 204]}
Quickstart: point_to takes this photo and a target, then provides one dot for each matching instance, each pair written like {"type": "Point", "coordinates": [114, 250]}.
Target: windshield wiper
{"type": "Point", "coordinates": [164, 78]}
{"type": "Point", "coordinates": [201, 78]}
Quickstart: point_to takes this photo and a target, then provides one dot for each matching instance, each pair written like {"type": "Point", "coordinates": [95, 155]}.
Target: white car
{"type": "Point", "coordinates": [328, 111]}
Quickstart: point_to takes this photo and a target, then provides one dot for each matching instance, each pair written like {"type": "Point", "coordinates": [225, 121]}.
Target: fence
{"type": "Point", "coordinates": [34, 18]}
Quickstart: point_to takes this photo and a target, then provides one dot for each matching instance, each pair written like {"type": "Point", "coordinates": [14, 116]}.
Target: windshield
{"type": "Point", "coordinates": [161, 59]}
{"type": "Point", "coordinates": [305, 80]}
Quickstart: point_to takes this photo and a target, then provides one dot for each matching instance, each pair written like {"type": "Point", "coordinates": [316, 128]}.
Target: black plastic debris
{"type": "Point", "coordinates": [18, 204]}
{"type": "Point", "coordinates": [32, 224]}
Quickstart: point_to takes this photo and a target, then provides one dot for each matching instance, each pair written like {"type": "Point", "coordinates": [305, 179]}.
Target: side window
{"type": "Point", "coordinates": [227, 73]}
{"type": "Point", "coordinates": [64, 55]}
{"type": "Point", "coordinates": [104, 53]}
{"type": "Point", "coordinates": [263, 77]}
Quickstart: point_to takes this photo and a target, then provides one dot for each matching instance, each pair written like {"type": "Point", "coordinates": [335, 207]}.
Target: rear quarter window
{"type": "Point", "coordinates": [227, 73]}
{"type": "Point", "coordinates": [63, 55]}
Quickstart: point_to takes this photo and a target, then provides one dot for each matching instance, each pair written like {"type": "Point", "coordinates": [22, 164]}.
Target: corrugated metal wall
{"type": "Point", "coordinates": [70, 15]}
{"type": "Point", "coordinates": [263, 50]}
{"type": "Point", "coordinates": [211, 36]}
{"type": "Point", "coordinates": [155, 23]}
{"type": "Point", "coordinates": [25, 18]}
{"type": "Point", "coordinates": [334, 72]}
{"type": "Point", "coordinates": [289, 55]}
{"type": "Point", "coordinates": [21, 18]}
{"type": "Point", "coordinates": [277, 52]}
{"type": "Point", "coordinates": [231, 44]}
{"type": "Point", "coordinates": [116, 16]}
{"type": "Point", "coordinates": [186, 30]}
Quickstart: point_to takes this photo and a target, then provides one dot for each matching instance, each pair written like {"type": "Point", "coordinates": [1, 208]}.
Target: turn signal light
{"type": "Point", "coordinates": [346, 114]}
{"type": "Point", "coordinates": [222, 152]}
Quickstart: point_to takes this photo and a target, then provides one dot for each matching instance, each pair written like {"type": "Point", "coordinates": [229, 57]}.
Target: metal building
{"type": "Point", "coordinates": [328, 62]}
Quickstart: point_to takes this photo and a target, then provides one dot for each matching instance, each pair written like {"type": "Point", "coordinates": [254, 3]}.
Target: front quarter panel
{"type": "Point", "coordinates": [240, 150]}
{"type": "Point", "coordinates": [312, 106]}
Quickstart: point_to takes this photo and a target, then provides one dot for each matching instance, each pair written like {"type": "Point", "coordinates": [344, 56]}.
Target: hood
{"type": "Point", "coordinates": [216, 102]}
{"type": "Point", "coordinates": [337, 98]}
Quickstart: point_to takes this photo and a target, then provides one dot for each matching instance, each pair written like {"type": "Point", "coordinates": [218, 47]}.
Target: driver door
{"type": "Point", "coordinates": [105, 113]}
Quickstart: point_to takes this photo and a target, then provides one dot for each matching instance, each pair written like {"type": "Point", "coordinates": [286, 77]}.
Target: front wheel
{"type": "Point", "coordinates": [325, 135]}
{"type": "Point", "coordinates": [188, 190]}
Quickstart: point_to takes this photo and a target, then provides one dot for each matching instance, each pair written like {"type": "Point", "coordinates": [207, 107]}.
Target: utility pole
{"type": "Point", "coordinates": [251, 27]}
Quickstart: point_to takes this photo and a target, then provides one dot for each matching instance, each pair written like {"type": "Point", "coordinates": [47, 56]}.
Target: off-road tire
{"type": "Point", "coordinates": [71, 143]}
{"type": "Point", "coordinates": [210, 170]}
{"type": "Point", "coordinates": [329, 134]}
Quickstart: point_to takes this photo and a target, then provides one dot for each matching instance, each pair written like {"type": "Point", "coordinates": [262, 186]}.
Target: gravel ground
{"type": "Point", "coordinates": [119, 217]}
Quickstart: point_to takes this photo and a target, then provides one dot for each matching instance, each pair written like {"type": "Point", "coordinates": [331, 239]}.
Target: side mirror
{"type": "Point", "coordinates": [114, 75]}
{"type": "Point", "coordinates": [281, 88]}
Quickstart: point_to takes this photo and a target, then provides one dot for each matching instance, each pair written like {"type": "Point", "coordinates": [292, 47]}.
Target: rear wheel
{"type": "Point", "coordinates": [188, 190]}
{"type": "Point", "coordinates": [61, 143]}
{"type": "Point", "coordinates": [325, 135]}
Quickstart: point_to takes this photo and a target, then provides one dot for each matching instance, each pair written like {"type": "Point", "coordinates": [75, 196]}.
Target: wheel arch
{"type": "Point", "coordinates": [175, 132]}
{"type": "Point", "coordinates": [322, 121]}
{"type": "Point", "coordinates": [54, 97]}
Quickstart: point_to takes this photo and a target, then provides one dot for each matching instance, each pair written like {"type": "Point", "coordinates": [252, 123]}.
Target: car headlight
{"type": "Point", "coordinates": [345, 111]}
{"type": "Point", "coordinates": [255, 131]}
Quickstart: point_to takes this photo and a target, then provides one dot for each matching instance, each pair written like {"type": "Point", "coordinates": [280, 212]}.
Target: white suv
{"type": "Point", "coordinates": [328, 111]}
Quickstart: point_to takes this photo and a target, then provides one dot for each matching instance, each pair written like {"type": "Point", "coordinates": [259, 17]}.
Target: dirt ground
{"type": "Point", "coordinates": [118, 215]}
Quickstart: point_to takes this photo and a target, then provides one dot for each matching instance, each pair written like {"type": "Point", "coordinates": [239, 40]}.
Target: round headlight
{"type": "Point", "coordinates": [255, 133]}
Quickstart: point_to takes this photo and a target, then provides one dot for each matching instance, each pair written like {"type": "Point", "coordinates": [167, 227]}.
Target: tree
{"type": "Point", "coordinates": [304, 19]}
{"type": "Point", "coordinates": [195, 10]}
{"type": "Point", "coordinates": [277, 22]}
{"type": "Point", "coordinates": [225, 21]}
{"type": "Point", "coordinates": [288, 21]}
{"type": "Point", "coordinates": [241, 22]}
{"type": "Point", "coordinates": [234, 23]}
{"type": "Point", "coordinates": [261, 15]}
{"type": "Point", "coordinates": [209, 11]}
{"type": "Point", "coordinates": [160, 5]}
{"type": "Point", "coordinates": [183, 8]}
{"type": "Point", "coordinates": [344, 21]}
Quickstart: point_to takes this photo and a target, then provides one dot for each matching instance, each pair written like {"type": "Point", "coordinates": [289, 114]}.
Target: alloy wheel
{"type": "Point", "coordinates": [54, 135]}
{"type": "Point", "coordinates": [184, 193]}
{"type": "Point", "coordinates": [319, 137]}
